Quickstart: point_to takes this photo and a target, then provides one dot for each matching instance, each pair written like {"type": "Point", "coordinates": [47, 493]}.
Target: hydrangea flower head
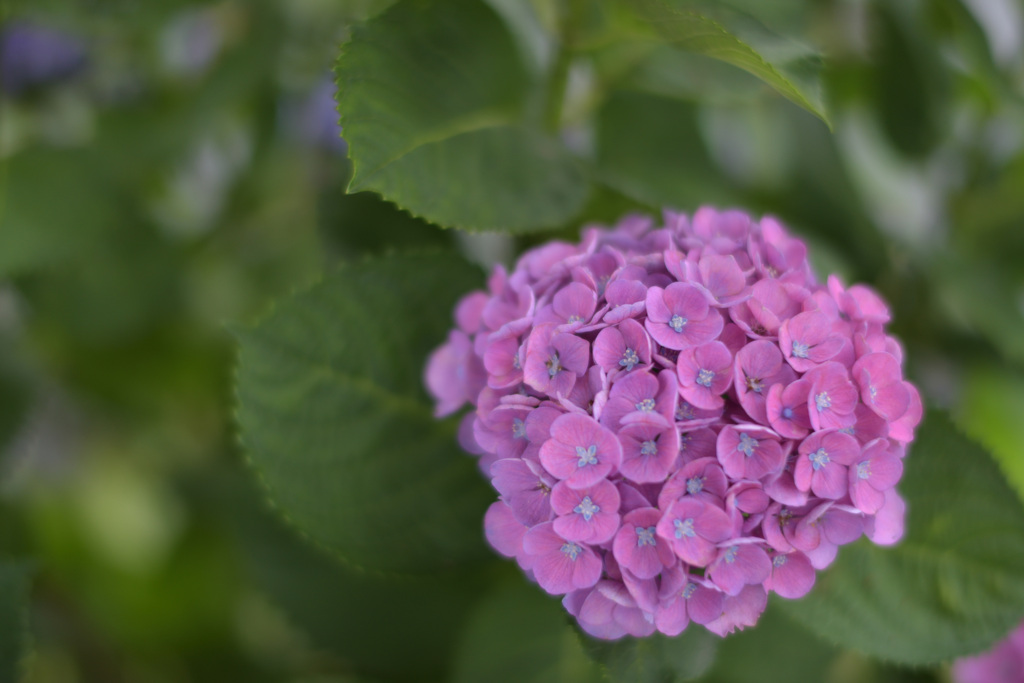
{"type": "Point", "coordinates": [678, 419]}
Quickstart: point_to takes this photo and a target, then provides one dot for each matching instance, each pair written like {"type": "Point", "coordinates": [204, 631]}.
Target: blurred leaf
{"type": "Point", "coordinates": [991, 409]}
{"type": "Point", "coordinates": [656, 658]}
{"type": "Point", "coordinates": [526, 21]}
{"type": "Point", "coordinates": [789, 67]}
{"type": "Point", "coordinates": [775, 645]}
{"type": "Point", "coordinates": [53, 202]}
{"type": "Point", "coordinates": [15, 395]}
{"type": "Point", "coordinates": [431, 97]}
{"type": "Point", "coordinates": [353, 614]}
{"type": "Point", "coordinates": [987, 217]}
{"type": "Point", "coordinates": [953, 586]}
{"type": "Point", "coordinates": [981, 298]}
{"type": "Point", "coordinates": [672, 72]}
{"type": "Point", "coordinates": [650, 148]}
{"type": "Point", "coordinates": [518, 633]}
{"type": "Point", "coordinates": [908, 80]}
{"type": "Point", "coordinates": [334, 417]}
{"type": "Point", "coordinates": [15, 581]}
{"type": "Point", "coordinates": [131, 265]}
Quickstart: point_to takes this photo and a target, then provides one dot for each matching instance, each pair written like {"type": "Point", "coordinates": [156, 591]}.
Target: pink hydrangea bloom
{"type": "Point", "coordinates": [678, 420]}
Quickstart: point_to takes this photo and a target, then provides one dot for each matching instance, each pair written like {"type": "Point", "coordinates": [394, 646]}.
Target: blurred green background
{"type": "Point", "coordinates": [168, 168]}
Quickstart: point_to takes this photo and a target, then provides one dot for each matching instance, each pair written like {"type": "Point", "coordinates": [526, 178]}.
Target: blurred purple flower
{"type": "Point", "coordinates": [33, 56]}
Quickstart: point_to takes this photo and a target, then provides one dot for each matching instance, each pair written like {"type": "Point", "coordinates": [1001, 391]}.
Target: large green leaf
{"type": "Point", "coordinates": [775, 645]}
{"type": "Point", "coordinates": [432, 101]}
{"type": "Point", "coordinates": [789, 67]}
{"type": "Point", "coordinates": [953, 586]}
{"type": "Point", "coordinates": [650, 149]}
{"type": "Point", "coordinates": [355, 616]}
{"type": "Point", "coordinates": [14, 588]}
{"type": "Point", "coordinates": [335, 419]}
{"type": "Point", "coordinates": [656, 658]}
{"type": "Point", "coordinates": [518, 633]}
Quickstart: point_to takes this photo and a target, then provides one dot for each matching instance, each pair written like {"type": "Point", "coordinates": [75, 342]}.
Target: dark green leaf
{"type": "Point", "coordinates": [518, 633]}
{"type": "Point", "coordinates": [431, 97]}
{"type": "Point", "coordinates": [953, 585]}
{"type": "Point", "coordinates": [910, 80]}
{"type": "Point", "coordinates": [354, 615]}
{"type": "Point", "coordinates": [650, 148]}
{"type": "Point", "coordinates": [334, 416]}
{"type": "Point", "coordinates": [15, 578]}
{"type": "Point", "coordinates": [789, 67]}
{"type": "Point", "coordinates": [776, 645]}
{"type": "Point", "coordinates": [980, 298]}
{"type": "Point", "coordinates": [361, 223]}
{"type": "Point", "coordinates": [656, 658]}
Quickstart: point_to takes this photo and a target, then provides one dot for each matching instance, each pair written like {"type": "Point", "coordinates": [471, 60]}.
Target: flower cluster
{"type": "Point", "coordinates": [678, 420]}
{"type": "Point", "coordinates": [1004, 663]}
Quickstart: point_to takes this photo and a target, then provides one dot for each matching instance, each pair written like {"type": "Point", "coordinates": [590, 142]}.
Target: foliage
{"type": "Point", "coordinates": [307, 519]}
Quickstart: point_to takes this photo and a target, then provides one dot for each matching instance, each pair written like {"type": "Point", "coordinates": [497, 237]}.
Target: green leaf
{"type": "Point", "coordinates": [910, 80]}
{"type": "Point", "coordinates": [992, 404]}
{"type": "Point", "coordinates": [656, 658]}
{"type": "Point", "coordinates": [334, 416]}
{"type": "Point", "coordinates": [432, 99]}
{"type": "Point", "coordinates": [672, 72]}
{"type": "Point", "coordinates": [980, 298]}
{"type": "Point", "coordinates": [650, 149]}
{"type": "Point", "coordinates": [953, 585]}
{"type": "Point", "coordinates": [775, 645]}
{"type": "Point", "coordinates": [787, 66]}
{"type": "Point", "coordinates": [353, 615]}
{"type": "Point", "coordinates": [15, 580]}
{"type": "Point", "coordinates": [361, 223]}
{"type": "Point", "coordinates": [518, 633]}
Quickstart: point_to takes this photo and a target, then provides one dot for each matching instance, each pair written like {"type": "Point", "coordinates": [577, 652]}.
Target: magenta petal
{"type": "Point", "coordinates": [671, 617]}
{"type": "Point", "coordinates": [792, 575]}
{"type": "Point", "coordinates": [580, 450]}
{"type": "Point", "coordinates": [705, 604]}
{"type": "Point", "coordinates": [867, 499]}
{"type": "Point", "coordinates": [573, 352]}
{"type": "Point", "coordinates": [840, 525]}
{"type": "Point", "coordinates": [739, 565]}
{"type": "Point", "coordinates": [589, 515]}
{"type": "Point", "coordinates": [503, 531]}
{"type": "Point", "coordinates": [886, 527]}
{"type": "Point", "coordinates": [560, 566]}
{"type": "Point", "coordinates": [722, 276]}
{"type": "Point", "coordinates": [575, 303]}
{"type": "Point", "coordinates": [829, 482]}
{"type": "Point", "coordinates": [903, 429]}
{"type": "Point", "coordinates": [648, 452]}
{"type": "Point", "coordinates": [686, 300]}
{"type": "Point", "coordinates": [638, 547]}
{"type": "Point", "coordinates": [740, 611]}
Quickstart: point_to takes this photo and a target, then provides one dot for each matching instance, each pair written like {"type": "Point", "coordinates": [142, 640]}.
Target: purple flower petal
{"type": "Point", "coordinates": [580, 451]}
{"type": "Point", "coordinates": [560, 566]}
{"type": "Point", "coordinates": [639, 548]}
{"type": "Point", "coordinates": [792, 575]}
